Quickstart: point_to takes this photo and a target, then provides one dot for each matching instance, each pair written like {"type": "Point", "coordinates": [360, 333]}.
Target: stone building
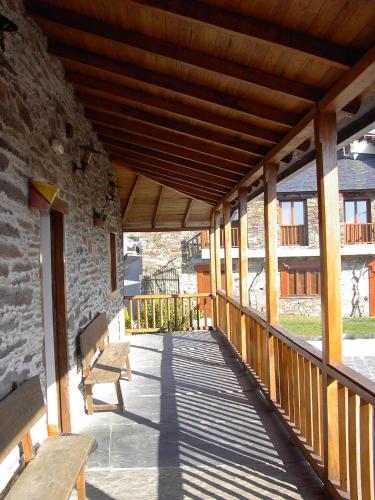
{"type": "Point", "coordinates": [299, 280]}
{"type": "Point", "coordinates": [43, 137]}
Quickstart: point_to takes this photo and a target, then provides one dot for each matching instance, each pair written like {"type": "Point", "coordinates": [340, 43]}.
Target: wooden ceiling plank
{"type": "Point", "coordinates": [353, 83]}
{"type": "Point", "coordinates": [53, 14]}
{"type": "Point", "coordinates": [103, 104]}
{"type": "Point", "coordinates": [173, 149]}
{"type": "Point", "coordinates": [157, 208]}
{"type": "Point", "coordinates": [166, 157]}
{"type": "Point", "coordinates": [246, 106]}
{"type": "Point", "coordinates": [221, 178]}
{"type": "Point", "coordinates": [219, 151]}
{"type": "Point", "coordinates": [143, 229]}
{"type": "Point", "coordinates": [187, 214]}
{"type": "Point", "coordinates": [144, 169]}
{"type": "Point", "coordinates": [230, 125]}
{"type": "Point", "coordinates": [131, 198]}
{"type": "Point", "coordinates": [260, 31]}
{"type": "Point", "coordinates": [192, 193]}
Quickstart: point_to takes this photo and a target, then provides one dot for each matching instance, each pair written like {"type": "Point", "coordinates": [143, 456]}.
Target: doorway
{"type": "Point", "coordinates": [204, 283]}
{"type": "Point", "coordinates": [55, 326]}
{"type": "Point", "coordinates": [371, 273]}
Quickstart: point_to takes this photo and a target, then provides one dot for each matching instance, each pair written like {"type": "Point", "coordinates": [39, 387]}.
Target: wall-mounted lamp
{"type": "Point", "coordinates": [111, 194]}
{"type": "Point", "coordinates": [6, 26]}
{"type": "Point", "coordinates": [87, 153]}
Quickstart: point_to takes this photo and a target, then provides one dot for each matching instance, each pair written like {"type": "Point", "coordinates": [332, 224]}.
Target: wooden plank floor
{"type": "Point", "coordinates": [194, 428]}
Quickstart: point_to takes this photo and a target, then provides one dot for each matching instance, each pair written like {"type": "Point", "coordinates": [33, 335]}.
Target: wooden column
{"type": "Point", "coordinates": [213, 269]}
{"type": "Point", "coordinates": [228, 263]}
{"type": "Point", "coordinates": [270, 240]}
{"type": "Point", "coordinates": [271, 263]}
{"type": "Point", "coordinates": [243, 262]}
{"type": "Point", "coordinates": [217, 218]}
{"type": "Point", "coordinates": [330, 273]}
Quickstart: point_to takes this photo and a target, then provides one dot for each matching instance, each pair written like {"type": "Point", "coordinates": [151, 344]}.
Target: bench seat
{"type": "Point", "coordinates": [109, 365]}
{"type": "Point", "coordinates": [54, 471]}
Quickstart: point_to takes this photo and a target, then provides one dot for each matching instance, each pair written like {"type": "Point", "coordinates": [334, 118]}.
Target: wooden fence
{"type": "Point", "coordinates": [176, 312]}
{"type": "Point", "coordinates": [290, 374]}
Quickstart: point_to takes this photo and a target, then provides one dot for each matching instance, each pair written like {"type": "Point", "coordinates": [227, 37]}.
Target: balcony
{"type": "Point", "coordinates": [205, 241]}
{"type": "Point", "coordinates": [359, 233]}
{"type": "Point", "coordinates": [293, 235]}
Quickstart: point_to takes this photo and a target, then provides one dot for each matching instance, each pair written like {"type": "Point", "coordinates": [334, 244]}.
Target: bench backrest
{"type": "Point", "coordinates": [93, 338]}
{"type": "Point", "coordinates": [19, 411]}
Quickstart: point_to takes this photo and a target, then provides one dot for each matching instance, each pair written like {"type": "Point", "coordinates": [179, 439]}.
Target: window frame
{"type": "Point", "coordinates": [355, 201]}
{"type": "Point", "coordinates": [113, 261]}
{"type": "Point", "coordinates": [292, 202]}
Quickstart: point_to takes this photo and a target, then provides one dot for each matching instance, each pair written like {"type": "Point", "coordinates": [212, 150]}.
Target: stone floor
{"type": "Point", "coordinates": [195, 427]}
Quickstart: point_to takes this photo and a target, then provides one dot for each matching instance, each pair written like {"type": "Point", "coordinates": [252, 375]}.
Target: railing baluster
{"type": "Point", "coordinates": [169, 313]}
{"type": "Point", "coordinates": [145, 301]}
{"type": "Point", "coordinates": [343, 436]}
{"type": "Point", "coordinates": [175, 314]}
{"type": "Point", "coordinates": [198, 313]}
{"type": "Point", "coordinates": [353, 442]}
{"type": "Point", "coordinates": [308, 410]}
{"type": "Point", "coordinates": [153, 313]}
{"type": "Point", "coordinates": [316, 402]}
{"type": "Point", "coordinates": [367, 450]}
{"type": "Point", "coordinates": [138, 314]}
{"type": "Point", "coordinates": [302, 396]}
{"type": "Point", "coordinates": [296, 392]}
{"type": "Point", "coordinates": [131, 313]}
{"type": "Point", "coordinates": [190, 314]}
{"type": "Point", "coordinates": [290, 385]}
{"type": "Point", "coordinates": [205, 312]}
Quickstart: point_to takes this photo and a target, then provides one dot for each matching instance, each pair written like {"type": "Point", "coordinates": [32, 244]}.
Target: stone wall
{"type": "Point", "coordinates": [36, 103]}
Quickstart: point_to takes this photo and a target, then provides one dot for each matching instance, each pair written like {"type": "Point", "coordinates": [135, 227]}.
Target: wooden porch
{"type": "Point", "coordinates": [203, 106]}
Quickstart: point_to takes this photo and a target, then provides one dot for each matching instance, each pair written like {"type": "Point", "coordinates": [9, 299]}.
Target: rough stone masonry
{"type": "Point", "coordinates": [38, 108]}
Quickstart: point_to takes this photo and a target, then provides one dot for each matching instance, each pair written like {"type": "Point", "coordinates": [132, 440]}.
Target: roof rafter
{"type": "Point", "coordinates": [47, 13]}
{"type": "Point", "coordinates": [219, 151]}
{"type": "Point", "coordinates": [259, 30]}
{"type": "Point", "coordinates": [187, 213]}
{"type": "Point", "coordinates": [131, 198]}
{"type": "Point", "coordinates": [246, 106]}
{"type": "Point", "coordinates": [157, 207]}
{"type": "Point", "coordinates": [230, 125]}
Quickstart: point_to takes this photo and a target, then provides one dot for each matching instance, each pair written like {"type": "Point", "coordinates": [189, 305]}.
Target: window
{"type": "Point", "coordinates": [112, 244]}
{"type": "Point", "coordinates": [356, 212]}
{"type": "Point", "coordinates": [292, 221]}
{"type": "Point", "coordinates": [300, 280]}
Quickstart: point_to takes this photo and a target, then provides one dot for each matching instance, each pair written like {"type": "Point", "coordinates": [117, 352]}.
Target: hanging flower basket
{"type": "Point", "coordinates": [42, 195]}
{"type": "Point", "coordinates": [100, 218]}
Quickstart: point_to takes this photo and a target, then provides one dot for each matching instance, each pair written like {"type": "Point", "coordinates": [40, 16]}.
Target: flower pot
{"type": "Point", "coordinates": [98, 222]}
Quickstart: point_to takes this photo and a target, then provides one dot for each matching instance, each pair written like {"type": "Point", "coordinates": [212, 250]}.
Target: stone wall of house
{"type": "Point", "coordinates": [255, 217]}
{"type": "Point", "coordinates": [36, 104]}
{"type": "Point", "coordinates": [178, 250]}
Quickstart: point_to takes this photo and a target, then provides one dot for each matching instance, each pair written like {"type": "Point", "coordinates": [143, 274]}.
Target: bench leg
{"type": "Point", "coordinates": [89, 400]}
{"type": "Point", "coordinates": [128, 369]}
{"type": "Point", "coordinates": [81, 485]}
{"type": "Point", "coordinates": [119, 396]}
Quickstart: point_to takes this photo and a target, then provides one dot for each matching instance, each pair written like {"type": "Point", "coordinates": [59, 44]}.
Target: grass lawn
{"type": "Point", "coordinates": [311, 327]}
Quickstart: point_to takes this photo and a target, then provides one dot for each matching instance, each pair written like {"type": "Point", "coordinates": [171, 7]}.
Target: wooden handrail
{"type": "Point", "coordinates": [297, 393]}
{"type": "Point", "coordinates": [359, 233]}
{"type": "Point", "coordinates": [205, 243]}
{"type": "Point", "coordinates": [293, 234]}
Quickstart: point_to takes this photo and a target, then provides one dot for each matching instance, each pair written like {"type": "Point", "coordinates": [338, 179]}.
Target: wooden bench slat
{"type": "Point", "coordinates": [19, 411]}
{"type": "Point", "coordinates": [109, 365]}
{"type": "Point", "coordinates": [94, 335]}
{"type": "Point", "coordinates": [54, 470]}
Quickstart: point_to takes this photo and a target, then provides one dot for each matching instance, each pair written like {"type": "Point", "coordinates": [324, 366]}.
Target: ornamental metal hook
{"type": "Point", "coordinates": [8, 26]}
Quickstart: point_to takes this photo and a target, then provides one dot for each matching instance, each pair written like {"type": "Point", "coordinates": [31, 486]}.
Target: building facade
{"type": "Point", "coordinates": [298, 251]}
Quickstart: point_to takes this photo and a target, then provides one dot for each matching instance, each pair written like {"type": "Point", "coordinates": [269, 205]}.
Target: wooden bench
{"type": "Point", "coordinates": [107, 367]}
{"type": "Point", "coordinates": [59, 463]}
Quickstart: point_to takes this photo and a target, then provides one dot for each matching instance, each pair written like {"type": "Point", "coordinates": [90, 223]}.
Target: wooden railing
{"type": "Point", "coordinates": [158, 313]}
{"type": "Point", "coordinates": [205, 241]}
{"type": "Point", "coordinates": [293, 235]}
{"type": "Point", "coordinates": [359, 233]}
{"type": "Point", "coordinates": [290, 373]}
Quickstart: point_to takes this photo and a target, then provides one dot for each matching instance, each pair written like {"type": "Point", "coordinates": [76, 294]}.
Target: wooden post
{"type": "Point", "coordinates": [213, 269]}
{"type": "Point", "coordinates": [217, 218]}
{"type": "Point", "coordinates": [228, 262]}
{"type": "Point", "coordinates": [330, 271]}
{"type": "Point", "coordinates": [271, 263]}
{"type": "Point", "coordinates": [243, 262]}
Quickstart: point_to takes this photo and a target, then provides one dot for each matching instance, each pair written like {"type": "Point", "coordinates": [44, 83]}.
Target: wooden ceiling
{"type": "Point", "coordinates": [197, 95]}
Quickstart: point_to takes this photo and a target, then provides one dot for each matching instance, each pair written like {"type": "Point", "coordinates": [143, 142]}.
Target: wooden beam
{"type": "Point", "coordinates": [212, 256]}
{"type": "Point", "coordinates": [353, 83]}
{"type": "Point", "coordinates": [47, 14]}
{"type": "Point", "coordinates": [157, 208]}
{"type": "Point", "coordinates": [246, 107]}
{"type": "Point", "coordinates": [260, 31]}
{"type": "Point", "coordinates": [330, 276]}
{"type": "Point", "coordinates": [187, 214]}
{"type": "Point", "coordinates": [100, 103]}
{"type": "Point", "coordinates": [243, 244]}
{"type": "Point", "coordinates": [173, 149]}
{"type": "Point", "coordinates": [217, 217]}
{"type": "Point", "coordinates": [126, 124]}
{"type": "Point", "coordinates": [224, 179]}
{"type": "Point", "coordinates": [231, 126]}
{"type": "Point", "coordinates": [270, 234]}
{"type": "Point", "coordinates": [192, 193]}
{"type": "Point", "coordinates": [228, 249]}
{"type": "Point", "coordinates": [131, 198]}
{"type": "Point", "coordinates": [182, 180]}
{"type": "Point", "coordinates": [178, 163]}
{"type": "Point", "coordinates": [172, 229]}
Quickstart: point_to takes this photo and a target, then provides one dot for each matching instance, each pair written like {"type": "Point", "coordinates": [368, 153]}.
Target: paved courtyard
{"type": "Point", "coordinates": [195, 427]}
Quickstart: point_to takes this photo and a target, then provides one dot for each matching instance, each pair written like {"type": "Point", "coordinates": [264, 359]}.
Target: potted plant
{"type": "Point", "coordinates": [100, 217]}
